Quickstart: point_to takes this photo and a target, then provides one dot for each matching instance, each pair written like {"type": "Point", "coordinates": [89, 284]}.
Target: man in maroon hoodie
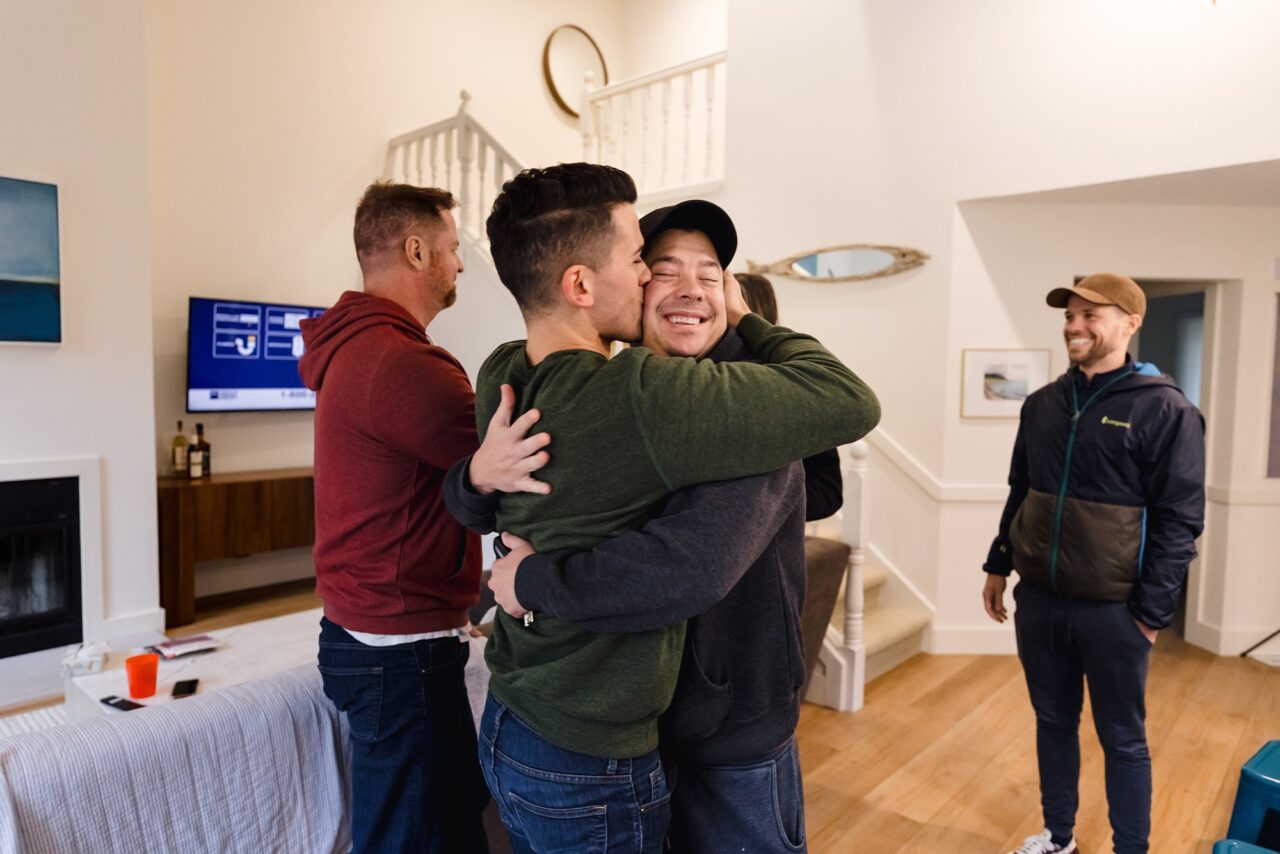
{"type": "Point", "coordinates": [395, 571]}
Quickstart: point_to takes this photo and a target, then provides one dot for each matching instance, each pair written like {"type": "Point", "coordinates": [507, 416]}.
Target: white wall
{"type": "Point", "coordinates": [268, 121]}
{"type": "Point", "coordinates": [872, 121]}
{"type": "Point", "coordinates": [663, 33]}
{"type": "Point", "coordinates": [72, 89]}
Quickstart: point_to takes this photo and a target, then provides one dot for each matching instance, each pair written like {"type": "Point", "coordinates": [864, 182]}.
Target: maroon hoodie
{"type": "Point", "coordinates": [393, 412]}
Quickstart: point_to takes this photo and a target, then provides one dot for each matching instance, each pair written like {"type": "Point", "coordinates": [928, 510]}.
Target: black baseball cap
{"type": "Point", "coordinates": [694, 215]}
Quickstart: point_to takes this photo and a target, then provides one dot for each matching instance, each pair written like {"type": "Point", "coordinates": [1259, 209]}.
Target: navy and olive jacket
{"type": "Point", "coordinates": [1106, 493]}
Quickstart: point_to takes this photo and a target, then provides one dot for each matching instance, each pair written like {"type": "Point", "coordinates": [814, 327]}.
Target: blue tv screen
{"type": "Point", "coordinates": [243, 356]}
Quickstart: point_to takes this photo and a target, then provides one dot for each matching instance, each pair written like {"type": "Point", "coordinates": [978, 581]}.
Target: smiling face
{"type": "Point", "coordinates": [1097, 336]}
{"type": "Point", "coordinates": [684, 311]}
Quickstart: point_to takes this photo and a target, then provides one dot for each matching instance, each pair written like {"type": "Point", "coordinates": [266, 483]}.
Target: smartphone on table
{"type": "Point", "coordinates": [120, 703]}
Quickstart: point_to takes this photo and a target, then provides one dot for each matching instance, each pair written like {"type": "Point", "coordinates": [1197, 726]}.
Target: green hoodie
{"type": "Point", "coordinates": [626, 433]}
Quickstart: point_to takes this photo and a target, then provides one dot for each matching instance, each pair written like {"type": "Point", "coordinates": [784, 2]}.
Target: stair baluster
{"type": "Point", "coordinates": [611, 135]}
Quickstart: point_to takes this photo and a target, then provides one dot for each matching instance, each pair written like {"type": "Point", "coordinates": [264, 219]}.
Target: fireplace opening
{"type": "Point", "coordinates": [39, 565]}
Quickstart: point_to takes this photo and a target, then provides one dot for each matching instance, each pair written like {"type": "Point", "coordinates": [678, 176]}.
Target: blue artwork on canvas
{"type": "Point", "coordinates": [30, 278]}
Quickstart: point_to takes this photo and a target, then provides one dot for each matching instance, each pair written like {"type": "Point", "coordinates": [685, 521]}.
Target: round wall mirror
{"type": "Point", "coordinates": [849, 263]}
{"type": "Point", "coordinates": [570, 53]}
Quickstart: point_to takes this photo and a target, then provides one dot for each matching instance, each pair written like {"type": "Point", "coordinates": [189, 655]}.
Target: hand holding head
{"type": "Point", "coordinates": [735, 305]}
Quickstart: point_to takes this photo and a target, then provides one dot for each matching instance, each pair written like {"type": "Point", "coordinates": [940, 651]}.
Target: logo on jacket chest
{"type": "Point", "coordinates": [1115, 422]}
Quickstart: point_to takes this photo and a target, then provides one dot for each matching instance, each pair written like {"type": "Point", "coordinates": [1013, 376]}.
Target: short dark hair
{"type": "Point", "coordinates": [758, 292]}
{"type": "Point", "coordinates": [388, 211]}
{"type": "Point", "coordinates": [546, 220]}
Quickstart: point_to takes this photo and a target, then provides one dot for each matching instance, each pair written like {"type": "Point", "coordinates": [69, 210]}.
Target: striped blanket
{"type": "Point", "coordinates": [259, 767]}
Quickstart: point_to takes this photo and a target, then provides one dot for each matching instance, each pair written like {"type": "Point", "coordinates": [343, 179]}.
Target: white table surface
{"type": "Point", "coordinates": [249, 651]}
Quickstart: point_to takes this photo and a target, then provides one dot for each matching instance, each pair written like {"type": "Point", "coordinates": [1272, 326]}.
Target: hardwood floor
{"type": "Point", "coordinates": [246, 606]}
{"type": "Point", "coordinates": [942, 757]}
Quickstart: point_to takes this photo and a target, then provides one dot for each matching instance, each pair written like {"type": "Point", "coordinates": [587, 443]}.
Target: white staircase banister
{"type": "Point", "coordinates": [649, 125]}
{"type": "Point", "coordinates": [643, 80]}
{"type": "Point", "coordinates": [474, 168]}
{"type": "Point", "coordinates": [840, 678]}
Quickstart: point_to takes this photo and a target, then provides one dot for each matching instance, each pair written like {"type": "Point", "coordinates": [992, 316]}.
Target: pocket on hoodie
{"type": "Point", "coordinates": [700, 705]}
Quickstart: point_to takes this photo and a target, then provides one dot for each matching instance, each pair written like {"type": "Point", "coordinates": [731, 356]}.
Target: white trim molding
{"type": "Point", "coordinates": [956, 493]}
{"type": "Point", "coordinates": [1267, 495]}
{"type": "Point", "coordinates": [971, 640]}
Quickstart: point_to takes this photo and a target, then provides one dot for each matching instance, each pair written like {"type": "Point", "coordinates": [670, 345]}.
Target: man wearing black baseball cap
{"type": "Point", "coordinates": [727, 738]}
{"type": "Point", "coordinates": [727, 556]}
{"type": "Point", "coordinates": [1105, 503]}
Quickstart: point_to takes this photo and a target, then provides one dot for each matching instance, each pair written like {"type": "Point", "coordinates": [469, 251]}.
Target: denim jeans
{"type": "Point", "coordinates": [556, 800]}
{"type": "Point", "coordinates": [1063, 642]}
{"type": "Point", "coordinates": [753, 806]}
{"type": "Point", "coordinates": [415, 784]}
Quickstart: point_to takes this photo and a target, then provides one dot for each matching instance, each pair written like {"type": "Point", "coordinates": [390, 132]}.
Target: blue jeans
{"type": "Point", "coordinates": [556, 800]}
{"type": "Point", "coordinates": [1062, 643]}
{"type": "Point", "coordinates": [753, 806]}
{"type": "Point", "coordinates": [415, 784]}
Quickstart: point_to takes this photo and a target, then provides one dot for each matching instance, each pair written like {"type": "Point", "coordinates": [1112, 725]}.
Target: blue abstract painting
{"type": "Point", "coordinates": [30, 278]}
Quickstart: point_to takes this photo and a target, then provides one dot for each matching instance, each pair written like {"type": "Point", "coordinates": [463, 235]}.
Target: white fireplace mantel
{"type": "Point", "coordinates": [25, 677]}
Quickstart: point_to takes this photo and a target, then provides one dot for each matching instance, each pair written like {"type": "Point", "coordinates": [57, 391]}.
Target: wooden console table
{"type": "Point", "coordinates": [227, 515]}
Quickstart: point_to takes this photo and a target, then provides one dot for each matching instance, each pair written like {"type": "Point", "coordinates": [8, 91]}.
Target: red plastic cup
{"type": "Point", "coordinates": [141, 670]}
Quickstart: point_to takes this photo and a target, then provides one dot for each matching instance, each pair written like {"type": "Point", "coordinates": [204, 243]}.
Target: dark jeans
{"type": "Point", "coordinates": [1063, 642]}
{"type": "Point", "coordinates": [556, 800]}
{"type": "Point", "coordinates": [753, 806]}
{"type": "Point", "coordinates": [415, 783]}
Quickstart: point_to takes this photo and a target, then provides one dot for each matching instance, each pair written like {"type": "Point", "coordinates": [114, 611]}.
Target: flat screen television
{"type": "Point", "coordinates": [243, 356]}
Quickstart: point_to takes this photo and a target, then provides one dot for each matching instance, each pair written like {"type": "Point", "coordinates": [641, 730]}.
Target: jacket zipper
{"type": "Point", "coordinates": [1078, 410]}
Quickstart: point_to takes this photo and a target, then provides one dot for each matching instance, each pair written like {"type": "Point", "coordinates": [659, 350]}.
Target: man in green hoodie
{"type": "Point", "coordinates": [569, 736]}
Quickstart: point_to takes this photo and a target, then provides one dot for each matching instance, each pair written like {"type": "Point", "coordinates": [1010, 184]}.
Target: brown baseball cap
{"type": "Point", "coordinates": [1103, 289]}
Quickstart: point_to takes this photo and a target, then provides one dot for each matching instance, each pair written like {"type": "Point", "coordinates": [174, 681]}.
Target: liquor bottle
{"type": "Point", "coordinates": [178, 452]}
{"type": "Point", "coordinates": [205, 454]}
{"type": "Point", "coordinates": [195, 459]}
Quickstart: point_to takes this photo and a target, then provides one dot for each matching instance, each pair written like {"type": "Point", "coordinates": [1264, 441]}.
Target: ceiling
{"type": "Point", "coordinates": [1244, 185]}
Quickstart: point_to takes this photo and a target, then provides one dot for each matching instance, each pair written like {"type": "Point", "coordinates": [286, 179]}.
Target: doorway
{"type": "Point", "coordinates": [1173, 335]}
{"type": "Point", "coordinates": [1176, 336]}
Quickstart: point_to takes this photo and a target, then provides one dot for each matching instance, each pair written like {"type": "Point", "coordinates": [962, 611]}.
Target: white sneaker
{"type": "Point", "coordinates": [1042, 843]}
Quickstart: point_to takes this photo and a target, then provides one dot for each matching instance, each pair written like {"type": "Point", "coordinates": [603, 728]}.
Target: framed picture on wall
{"type": "Point", "coordinates": [996, 382]}
{"type": "Point", "coordinates": [30, 277]}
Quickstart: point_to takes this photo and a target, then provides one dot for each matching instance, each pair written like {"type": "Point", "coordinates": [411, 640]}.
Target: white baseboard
{"type": "Point", "coordinates": [119, 631]}
{"type": "Point", "coordinates": [997, 640]}
{"type": "Point", "coordinates": [971, 640]}
{"type": "Point", "coordinates": [1222, 641]}
{"type": "Point", "coordinates": [1236, 641]}
{"type": "Point", "coordinates": [32, 676]}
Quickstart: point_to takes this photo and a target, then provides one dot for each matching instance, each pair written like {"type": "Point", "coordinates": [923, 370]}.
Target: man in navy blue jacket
{"type": "Point", "coordinates": [1106, 500]}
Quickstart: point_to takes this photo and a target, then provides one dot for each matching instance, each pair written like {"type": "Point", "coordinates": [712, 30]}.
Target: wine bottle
{"type": "Point", "coordinates": [195, 459]}
{"type": "Point", "coordinates": [178, 452]}
{"type": "Point", "coordinates": [203, 445]}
